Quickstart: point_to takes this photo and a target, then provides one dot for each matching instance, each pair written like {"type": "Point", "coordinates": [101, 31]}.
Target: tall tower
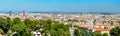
{"type": "Point", "coordinates": [10, 13]}
{"type": "Point", "coordinates": [103, 22]}
{"type": "Point", "coordinates": [24, 13]}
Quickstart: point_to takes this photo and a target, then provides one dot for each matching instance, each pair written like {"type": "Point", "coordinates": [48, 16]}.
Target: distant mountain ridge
{"type": "Point", "coordinates": [105, 13]}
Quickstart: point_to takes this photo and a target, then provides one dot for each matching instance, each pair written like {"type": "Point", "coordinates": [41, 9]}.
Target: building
{"type": "Point", "coordinates": [24, 14]}
{"type": "Point", "coordinates": [36, 33]}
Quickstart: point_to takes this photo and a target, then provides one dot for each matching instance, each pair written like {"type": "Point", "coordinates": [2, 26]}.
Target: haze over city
{"type": "Point", "coordinates": [60, 5]}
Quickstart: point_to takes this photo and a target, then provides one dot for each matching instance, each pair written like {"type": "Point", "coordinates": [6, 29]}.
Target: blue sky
{"type": "Point", "coordinates": [61, 5]}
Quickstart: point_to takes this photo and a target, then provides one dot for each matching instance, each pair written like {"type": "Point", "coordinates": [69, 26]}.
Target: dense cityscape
{"type": "Point", "coordinates": [49, 24]}
{"type": "Point", "coordinates": [59, 17]}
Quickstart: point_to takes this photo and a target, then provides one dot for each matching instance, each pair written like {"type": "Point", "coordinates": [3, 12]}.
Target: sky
{"type": "Point", "coordinates": [60, 5]}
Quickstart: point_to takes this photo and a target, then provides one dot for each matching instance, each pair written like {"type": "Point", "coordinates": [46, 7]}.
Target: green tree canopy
{"type": "Point", "coordinates": [97, 33]}
{"type": "Point", "coordinates": [77, 32]}
{"type": "Point", "coordinates": [1, 31]}
{"type": "Point", "coordinates": [16, 21]}
{"type": "Point", "coordinates": [19, 27]}
{"type": "Point", "coordinates": [94, 22]}
{"type": "Point", "coordinates": [55, 28]}
{"type": "Point", "coordinates": [4, 25]}
{"type": "Point", "coordinates": [21, 30]}
{"type": "Point", "coordinates": [105, 34]}
{"type": "Point", "coordinates": [30, 24]}
{"type": "Point", "coordinates": [115, 31]}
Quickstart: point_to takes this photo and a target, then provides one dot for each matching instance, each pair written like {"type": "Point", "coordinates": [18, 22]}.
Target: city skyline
{"type": "Point", "coordinates": [60, 5]}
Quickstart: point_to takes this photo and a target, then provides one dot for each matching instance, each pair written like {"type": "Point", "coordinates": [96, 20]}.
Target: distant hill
{"type": "Point", "coordinates": [105, 13]}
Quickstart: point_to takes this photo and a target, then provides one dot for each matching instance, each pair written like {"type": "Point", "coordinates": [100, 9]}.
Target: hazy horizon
{"type": "Point", "coordinates": [60, 5]}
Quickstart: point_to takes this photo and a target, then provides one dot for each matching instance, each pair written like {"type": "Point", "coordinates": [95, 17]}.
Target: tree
{"type": "Point", "coordinates": [73, 20]}
{"type": "Point", "coordinates": [115, 31]}
{"type": "Point", "coordinates": [97, 33]}
{"type": "Point", "coordinates": [118, 22]}
{"type": "Point", "coordinates": [8, 20]}
{"type": "Point", "coordinates": [16, 21]}
{"type": "Point", "coordinates": [83, 21]}
{"type": "Point", "coordinates": [47, 24]}
{"type": "Point", "coordinates": [55, 28]}
{"type": "Point", "coordinates": [30, 24]}
{"type": "Point", "coordinates": [1, 31]}
{"type": "Point", "coordinates": [105, 34]}
{"type": "Point", "coordinates": [94, 22]}
{"type": "Point", "coordinates": [84, 33]}
{"type": "Point", "coordinates": [77, 32]}
{"type": "Point", "coordinates": [19, 27]}
{"type": "Point", "coordinates": [4, 25]}
{"type": "Point", "coordinates": [21, 30]}
{"type": "Point", "coordinates": [91, 33]}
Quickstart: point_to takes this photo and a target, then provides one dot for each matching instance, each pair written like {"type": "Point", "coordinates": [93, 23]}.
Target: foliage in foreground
{"type": "Point", "coordinates": [115, 31]}
{"type": "Point", "coordinates": [16, 27]}
{"type": "Point", "coordinates": [49, 27]}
